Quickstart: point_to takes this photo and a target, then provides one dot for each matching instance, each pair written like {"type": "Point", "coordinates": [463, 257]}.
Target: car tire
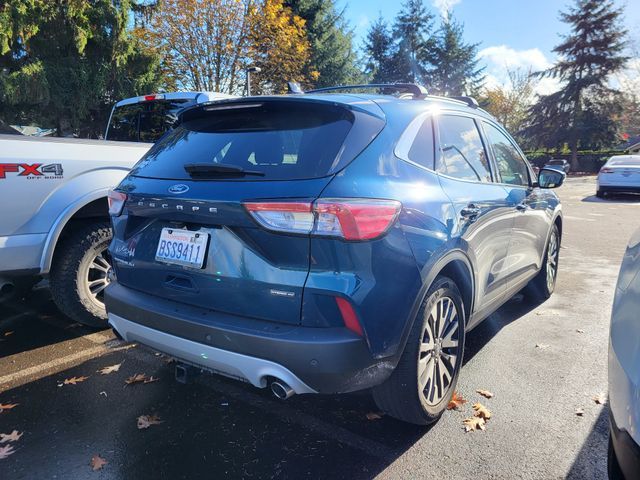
{"type": "Point", "coordinates": [80, 272]}
{"type": "Point", "coordinates": [542, 286]}
{"type": "Point", "coordinates": [613, 467]}
{"type": "Point", "coordinates": [418, 391]}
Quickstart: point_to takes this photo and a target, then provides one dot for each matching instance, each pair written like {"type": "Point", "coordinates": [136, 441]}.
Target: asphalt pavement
{"type": "Point", "coordinates": [543, 364]}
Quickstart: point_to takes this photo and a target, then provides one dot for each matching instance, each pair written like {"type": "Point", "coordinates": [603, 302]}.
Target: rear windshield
{"type": "Point", "coordinates": [144, 121]}
{"type": "Point", "coordinates": [631, 161]}
{"type": "Point", "coordinates": [280, 140]}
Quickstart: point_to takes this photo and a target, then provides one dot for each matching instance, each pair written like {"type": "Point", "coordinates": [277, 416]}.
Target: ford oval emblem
{"type": "Point", "coordinates": [179, 188]}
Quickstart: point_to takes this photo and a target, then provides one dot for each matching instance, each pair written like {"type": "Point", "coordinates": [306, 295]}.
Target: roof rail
{"type": "Point", "coordinates": [418, 91]}
{"type": "Point", "coordinates": [470, 101]}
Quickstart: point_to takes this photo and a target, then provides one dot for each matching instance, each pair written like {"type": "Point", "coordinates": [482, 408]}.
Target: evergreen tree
{"type": "Point", "coordinates": [454, 64]}
{"type": "Point", "coordinates": [413, 32]}
{"type": "Point", "coordinates": [582, 113]}
{"type": "Point", "coordinates": [64, 64]}
{"type": "Point", "coordinates": [333, 60]}
{"type": "Point", "coordinates": [378, 52]}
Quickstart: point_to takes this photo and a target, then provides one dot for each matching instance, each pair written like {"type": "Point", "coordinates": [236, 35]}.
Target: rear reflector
{"type": "Point", "coordinates": [351, 219]}
{"type": "Point", "coordinates": [116, 202]}
{"type": "Point", "coordinates": [349, 316]}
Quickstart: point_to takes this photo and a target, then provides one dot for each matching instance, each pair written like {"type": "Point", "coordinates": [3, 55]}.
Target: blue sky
{"type": "Point", "coordinates": [511, 33]}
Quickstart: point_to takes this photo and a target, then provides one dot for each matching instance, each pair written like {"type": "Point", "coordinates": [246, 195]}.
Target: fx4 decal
{"type": "Point", "coordinates": [35, 170]}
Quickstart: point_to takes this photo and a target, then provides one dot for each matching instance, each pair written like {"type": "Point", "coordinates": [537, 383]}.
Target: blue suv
{"type": "Point", "coordinates": [330, 242]}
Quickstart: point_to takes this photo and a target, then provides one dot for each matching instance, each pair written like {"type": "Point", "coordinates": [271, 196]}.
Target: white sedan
{"type": "Point", "coordinates": [621, 174]}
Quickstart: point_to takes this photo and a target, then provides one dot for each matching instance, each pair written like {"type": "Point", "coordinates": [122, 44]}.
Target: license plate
{"type": "Point", "coordinates": [182, 247]}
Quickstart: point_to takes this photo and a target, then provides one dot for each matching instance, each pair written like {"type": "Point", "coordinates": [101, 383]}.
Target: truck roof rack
{"type": "Point", "coordinates": [418, 91]}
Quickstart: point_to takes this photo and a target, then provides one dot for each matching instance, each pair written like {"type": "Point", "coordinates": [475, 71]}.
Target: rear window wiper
{"type": "Point", "coordinates": [212, 170]}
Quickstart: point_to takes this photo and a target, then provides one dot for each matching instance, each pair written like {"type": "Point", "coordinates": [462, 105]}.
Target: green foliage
{"type": "Point", "coordinates": [413, 33]}
{"type": "Point", "coordinates": [454, 63]}
{"type": "Point", "coordinates": [331, 41]}
{"type": "Point", "coordinates": [582, 114]}
{"type": "Point", "coordinates": [64, 63]}
{"type": "Point", "coordinates": [378, 61]}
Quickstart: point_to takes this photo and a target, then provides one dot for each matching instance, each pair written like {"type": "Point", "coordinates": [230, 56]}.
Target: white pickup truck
{"type": "Point", "coordinates": [54, 218]}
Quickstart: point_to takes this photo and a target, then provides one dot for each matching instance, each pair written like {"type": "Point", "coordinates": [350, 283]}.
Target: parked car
{"type": "Point", "coordinates": [624, 368]}
{"type": "Point", "coordinates": [558, 164]}
{"type": "Point", "coordinates": [621, 174]}
{"type": "Point", "coordinates": [148, 117]}
{"type": "Point", "coordinates": [55, 220]}
{"type": "Point", "coordinates": [328, 243]}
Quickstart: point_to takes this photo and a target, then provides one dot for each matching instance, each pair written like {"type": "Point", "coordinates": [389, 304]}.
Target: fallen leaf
{"type": "Point", "coordinates": [373, 416]}
{"type": "Point", "coordinates": [97, 462]}
{"type": "Point", "coordinates": [145, 421]}
{"type": "Point", "coordinates": [579, 412]}
{"type": "Point", "coordinates": [485, 393]}
{"type": "Point", "coordinates": [6, 334]}
{"type": "Point", "coordinates": [6, 451]}
{"type": "Point", "coordinates": [473, 423]}
{"type": "Point", "coordinates": [109, 369]}
{"type": "Point", "coordinates": [74, 380]}
{"type": "Point", "coordinates": [456, 401]}
{"type": "Point", "coordinates": [542, 346]}
{"type": "Point", "coordinates": [600, 399]}
{"type": "Point", "coordinates": [579, 330]}
{"type": "Point", "coordinates": [7, 406]}
{"type": "Point", "coordinates": [140, 378]}
{"type": "Point", "coordinates": [10, 437]}
{"type": "Point", "coordinates": [481, 411]}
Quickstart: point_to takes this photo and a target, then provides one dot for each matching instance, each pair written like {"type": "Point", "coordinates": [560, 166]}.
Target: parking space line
{"type": "Point", "coordinates": [52, 367]}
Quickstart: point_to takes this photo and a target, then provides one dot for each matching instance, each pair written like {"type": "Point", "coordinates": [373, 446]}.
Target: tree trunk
{"type": "Point", "coordinates": [575, 166]}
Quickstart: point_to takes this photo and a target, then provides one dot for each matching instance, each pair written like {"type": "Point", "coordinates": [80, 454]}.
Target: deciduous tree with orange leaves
{"type": "Point", "coordinates": [208, 44]}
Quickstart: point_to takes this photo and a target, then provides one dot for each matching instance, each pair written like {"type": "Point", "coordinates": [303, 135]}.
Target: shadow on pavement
{"type": "Point", "coordinates": [33, 322]}
{"type": "Point", "coordinates": [614, 198]}
{"type": "Point", "coordinates": [591, 461]}
{"type": "Point", "coordinates": [212, 427]}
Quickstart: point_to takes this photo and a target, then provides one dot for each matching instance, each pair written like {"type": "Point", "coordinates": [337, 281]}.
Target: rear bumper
{"type": "Point", "coordinates": [626, 449]}
{"type": "Point", "coordinates": [618, 188]}
{"type": "Point", "coordinates": [310, 360]}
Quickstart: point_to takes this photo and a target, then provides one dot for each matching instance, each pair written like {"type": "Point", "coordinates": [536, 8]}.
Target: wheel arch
{"type": "Point", "coordinates": [91, 206]}
{"type": "Point", "coordinates": [456, 265]}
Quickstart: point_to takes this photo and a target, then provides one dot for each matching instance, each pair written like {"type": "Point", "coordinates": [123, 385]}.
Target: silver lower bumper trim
{"type": "Point", "coordinates": [254, 370]}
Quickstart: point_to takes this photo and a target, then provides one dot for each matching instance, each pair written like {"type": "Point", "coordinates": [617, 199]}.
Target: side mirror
{"type": "Point", "coordinates": [549, 178]}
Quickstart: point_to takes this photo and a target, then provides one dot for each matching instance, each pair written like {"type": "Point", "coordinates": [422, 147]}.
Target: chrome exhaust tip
{"type": "Point", "coordinates": [281, 390]}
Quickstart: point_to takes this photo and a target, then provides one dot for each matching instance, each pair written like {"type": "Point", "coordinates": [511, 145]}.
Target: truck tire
{"type": "Point", "coordinates": [419, 389]}
{"type": "Point", "coordinates": [80, 272]}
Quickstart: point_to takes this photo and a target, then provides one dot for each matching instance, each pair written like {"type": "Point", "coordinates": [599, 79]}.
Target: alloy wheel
{"type": "Point", "coordinates": [552, 261]}
{"type": "Point", "coordinates": [98, 276]}
{"type": "Point", "coordinates": [438, 357]}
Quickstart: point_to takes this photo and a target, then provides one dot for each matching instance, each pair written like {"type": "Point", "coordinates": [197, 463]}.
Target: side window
{"type": "Point", "coordinates": [511, 165]}
{"type": "Point", "coordinates": [422, 148]}
{"type": "Point", "coordinates": [463, 155]}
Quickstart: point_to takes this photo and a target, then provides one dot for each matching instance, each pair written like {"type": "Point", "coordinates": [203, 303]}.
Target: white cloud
{"type": "Point", "coordinates": [501, 59]}
{"type": "Point", "coordinates": [444, 6]}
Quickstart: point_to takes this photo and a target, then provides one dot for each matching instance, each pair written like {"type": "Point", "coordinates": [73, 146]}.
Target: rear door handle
{"type": "Point", "coordinates": [470, 212]}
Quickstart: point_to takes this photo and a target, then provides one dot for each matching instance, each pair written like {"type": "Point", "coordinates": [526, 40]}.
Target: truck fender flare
{"type": "Point", "coordinates": [61, 222]}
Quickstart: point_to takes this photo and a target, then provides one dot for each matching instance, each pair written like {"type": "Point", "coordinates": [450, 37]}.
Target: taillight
{"type": "Point", "coordinates": [351, 219]}
{"type": "Point", "coordinates": [149, 98]}
{"type": "Point", "coordinates": [606, 170]}
{"type": "Point", "coordinates": [116, 202]}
